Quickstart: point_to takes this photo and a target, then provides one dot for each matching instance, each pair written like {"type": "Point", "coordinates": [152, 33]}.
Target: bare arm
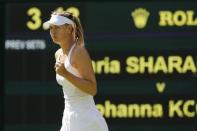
{"type": "Point", "coordinates": [82, 62]}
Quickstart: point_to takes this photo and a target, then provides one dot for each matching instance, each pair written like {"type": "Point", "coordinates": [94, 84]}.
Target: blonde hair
{"type": "Point", "coordinates": [78, 28]}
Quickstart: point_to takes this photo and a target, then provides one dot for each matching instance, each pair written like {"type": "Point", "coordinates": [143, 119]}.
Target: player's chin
{"type": "Point", "coordinates": [55, 41]}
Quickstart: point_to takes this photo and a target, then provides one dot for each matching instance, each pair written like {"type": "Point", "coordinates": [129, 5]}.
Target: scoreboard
{"type": "Point", "coordinates": [144, 56]}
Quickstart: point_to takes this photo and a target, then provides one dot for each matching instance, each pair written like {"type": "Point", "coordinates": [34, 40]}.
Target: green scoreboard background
{"type": "Point", "coordinates": [144, 56]}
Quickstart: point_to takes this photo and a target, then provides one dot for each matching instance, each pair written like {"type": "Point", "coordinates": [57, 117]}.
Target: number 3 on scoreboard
{"type": "Point", "coordinates": [36, 21]}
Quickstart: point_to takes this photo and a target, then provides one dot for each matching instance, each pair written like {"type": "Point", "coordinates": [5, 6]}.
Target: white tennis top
{"type": "Point", "coordinates": [80, 113]}
{"type": "Point", "coordinates": [68, 88]}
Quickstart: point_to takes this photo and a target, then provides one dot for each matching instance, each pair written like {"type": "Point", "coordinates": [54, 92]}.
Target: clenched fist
{"type": "Point", "coordinates": [59, 68]}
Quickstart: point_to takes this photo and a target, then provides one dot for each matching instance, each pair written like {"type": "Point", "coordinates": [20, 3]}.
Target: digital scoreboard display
{"type": "Point", "coordinates": [144, 55]}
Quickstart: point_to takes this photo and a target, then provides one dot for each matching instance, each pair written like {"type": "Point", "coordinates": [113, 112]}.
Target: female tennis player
{"type": "Point", "coordinates": [75, 74]}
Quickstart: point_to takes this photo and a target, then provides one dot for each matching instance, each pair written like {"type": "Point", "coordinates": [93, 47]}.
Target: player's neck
{"type": "Point", "coordinates": [66, 46]}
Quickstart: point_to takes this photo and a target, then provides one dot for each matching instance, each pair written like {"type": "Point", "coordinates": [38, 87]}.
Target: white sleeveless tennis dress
{"type": "Point", "coordinates": [80, 112]}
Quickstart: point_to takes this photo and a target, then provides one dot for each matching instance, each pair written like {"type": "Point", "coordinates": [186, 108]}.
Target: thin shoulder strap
{"type": "Point", "coordinates": [70, 52]}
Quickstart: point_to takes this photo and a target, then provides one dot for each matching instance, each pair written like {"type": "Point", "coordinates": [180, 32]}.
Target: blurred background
{"type": "Point", "coordinates": [144, 56]}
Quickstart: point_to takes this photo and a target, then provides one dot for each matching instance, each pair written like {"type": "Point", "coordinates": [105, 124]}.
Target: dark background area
{"type": "Point", "coordinates": [32, 100]}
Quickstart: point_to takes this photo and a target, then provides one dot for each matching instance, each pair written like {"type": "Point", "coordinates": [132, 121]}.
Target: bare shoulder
{"type": "Point", "coordinates": [81, 52]}
{"type": "Point", "coordinates": [81, 55]}
{"type": "Point", "coordinates": [58, 52]}
{"type": "Point", "coordinates": [82, 62]}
